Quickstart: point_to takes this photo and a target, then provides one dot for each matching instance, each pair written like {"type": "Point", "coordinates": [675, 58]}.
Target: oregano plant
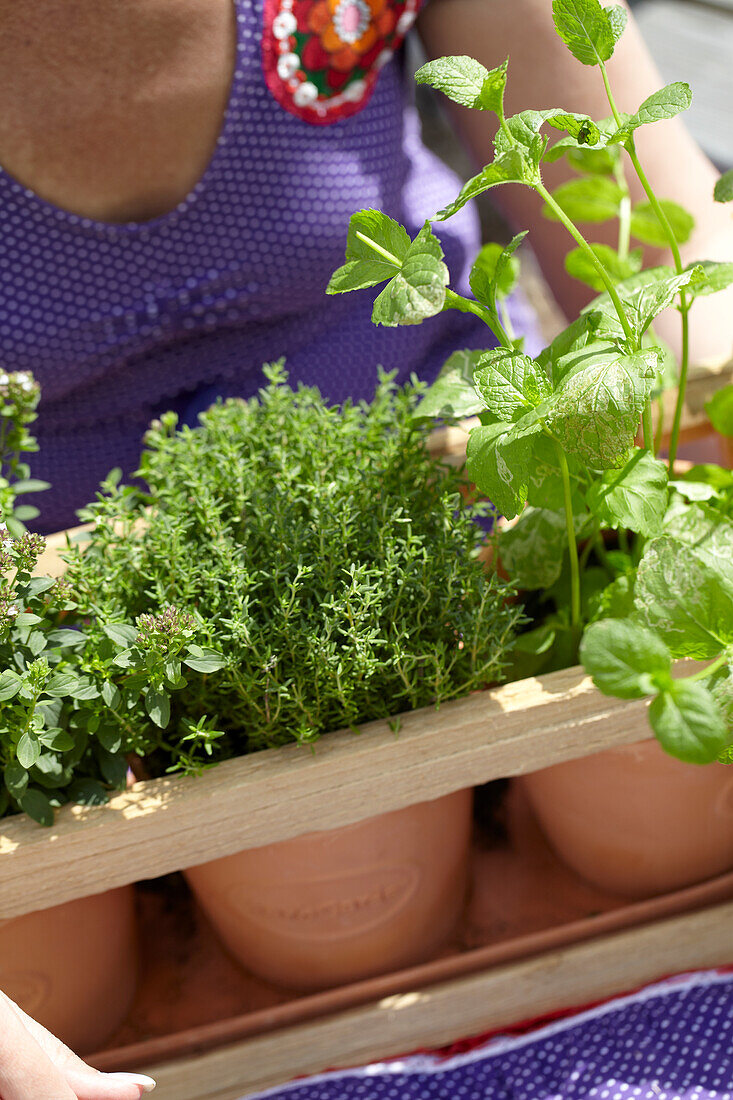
{"type": "Point", "coordinates": [624, 559]}
{"type": "Point", "coordinates": [78, 693]}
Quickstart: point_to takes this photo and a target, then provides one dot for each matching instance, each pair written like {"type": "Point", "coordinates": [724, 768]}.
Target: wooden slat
{"type": "Point", "coordinates": [436, 1016]}
{"type": "Point", "coordinates": [167, 824]}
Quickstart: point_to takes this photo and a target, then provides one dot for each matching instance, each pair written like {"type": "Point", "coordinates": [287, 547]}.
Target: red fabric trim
{"type": "Point", "coordinates": [285, 54]}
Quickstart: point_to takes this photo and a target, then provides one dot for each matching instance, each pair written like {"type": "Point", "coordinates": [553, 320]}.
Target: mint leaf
{"type": "Point", "coordinates": [582, 129]}
{"type": "Point", "coordinates": [645, 226]}
{"type": "Point", "coordinates": [376, 245]}
{"type": "Point", "coordinates": [596, 408]}
{"type": "Point", "coordinates": [525, 127]}
{"type": "Point", "coordinates": [498, 458]}
{"type": "Point", "coordinates": [509, 167]}
{"type": "Point", "coordinates": [509, 383]}
{"type": "Point", "coordinates": [617, 21]}
{"type": "Point", "coordinates": [586, 29]}
{"type": "Point", "coordinates": [545, 478]}
{"type": "Point", "coordinates": [685, 598]}
{"type": "Point", "coordinates": [452, 395]}
{"type": "Point", "coordinates": [717, 275]}
{"type": "Point", "coordinates": [720, 410]}
{"type": "Point", "coordinates": [9, 685]}
{"type": "Point", "coordinates": [594, 199]}
{"type": "Point", "coordinates": [466, 81]}
{"type": "Point", "coordinates": [488, 280]}
{"type": "Point", "coordinates": [417, 291]}
{"type": "Point", "coordinates": [688, 723]}
{"type": "Point", "coordinates": [649, 301]}
{"type": "Point", "coordinates": [579, 265]}
{"type": "Point", "coordinates": [634, 497]}
{"type": "Point", "coordinates": [723, 191]}
{"type": "Point", "coordinates": [705, 531]}
{"type": "Point", "coordinates": [533, 549]}
{"type": "Point", "coordinates": [664, 104]}
{"type": "Point", "coordinates": [625, 659]}
{"type": "Point", "coordinates": [616, 601]}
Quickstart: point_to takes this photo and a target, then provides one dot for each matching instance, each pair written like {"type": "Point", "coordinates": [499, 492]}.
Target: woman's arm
{"type": "Point", "coordinates": [542, 73]}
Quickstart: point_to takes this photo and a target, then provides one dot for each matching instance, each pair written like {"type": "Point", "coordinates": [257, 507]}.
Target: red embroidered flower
{"type": "Point", "coordinates": [322, 57]}
{"type": "Point", "coordinates": [347, 30]}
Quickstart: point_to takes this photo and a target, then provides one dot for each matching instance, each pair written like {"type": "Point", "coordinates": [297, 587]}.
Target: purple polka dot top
{"type": "Point", "coordinates": [120, 322]}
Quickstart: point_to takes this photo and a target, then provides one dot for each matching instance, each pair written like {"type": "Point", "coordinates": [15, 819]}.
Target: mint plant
{"type": "Point", "coordinates": [624, 563]}
{"type": "Point", "coordinates": [327, 555]}
{"type": "Point", "coordinates": [77, 693]}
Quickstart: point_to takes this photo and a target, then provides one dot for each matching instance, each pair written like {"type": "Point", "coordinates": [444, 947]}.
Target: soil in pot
{"type": "Point", "coordinates": [74, 967]}
{"type": "Point", "coordinates": [635, 821]}
{"type": "Point", "coordinates": [333, 907]}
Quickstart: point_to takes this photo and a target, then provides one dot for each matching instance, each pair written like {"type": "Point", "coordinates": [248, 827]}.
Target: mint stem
{"type": "Point", "coordinates": [572, 544]}
{"type": "Point", "coordinates": [704, 673]}
{"type": "Point", "coordinates": [663, 220]}
{"type": "Point", "coordinates": [580, 239]}
{"type": "Point", "coordinates": [684, 304]}
{"type": "Point", "coordinates": [378, 249]}
{"type": "Point", "coordinates": [466, 305]}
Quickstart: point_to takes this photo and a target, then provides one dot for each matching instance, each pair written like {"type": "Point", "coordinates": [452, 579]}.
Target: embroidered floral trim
{"type": "Point", "coordinates": [322, 57]}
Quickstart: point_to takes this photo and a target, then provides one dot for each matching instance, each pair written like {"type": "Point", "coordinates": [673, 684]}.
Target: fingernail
{"type": "Point", "coordinates": [147, 1084]}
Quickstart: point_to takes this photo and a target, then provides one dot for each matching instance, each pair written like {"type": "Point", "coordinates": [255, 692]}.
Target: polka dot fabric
{"type": "Point", "coordinates": [119, 322]}
{"type": "Point", "coordinates": [670, 1042]}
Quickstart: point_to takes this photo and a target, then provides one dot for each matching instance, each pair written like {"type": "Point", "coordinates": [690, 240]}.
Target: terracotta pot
{"type": "Point", "coordinates": [634, 820]}
{"type": "Point", "coordinates": [74, 967]}
{"type": "Point", "coordinates": [330, 908]}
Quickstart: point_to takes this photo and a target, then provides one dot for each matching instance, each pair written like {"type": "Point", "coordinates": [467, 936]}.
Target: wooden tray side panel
{"type": "Point", "coordinates": [436, 1016]}
{"type": "Point", "coordinates": [165, 825]}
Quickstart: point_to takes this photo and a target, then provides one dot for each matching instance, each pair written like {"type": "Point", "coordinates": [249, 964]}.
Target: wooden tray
{"type": "Point", "coordinates": [524, 903]}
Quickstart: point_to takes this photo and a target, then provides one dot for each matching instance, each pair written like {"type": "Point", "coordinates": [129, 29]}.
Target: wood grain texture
{"type": "Point", "coordinates": [167, 824]}
{"type": "Point", "coordinates": [436, 1016]}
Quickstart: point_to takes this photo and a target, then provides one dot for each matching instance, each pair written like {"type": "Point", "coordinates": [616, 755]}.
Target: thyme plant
{"type": "Point", "coordinates": [556, 446]}
{"type": "Point", "coordinates": [327, 555]}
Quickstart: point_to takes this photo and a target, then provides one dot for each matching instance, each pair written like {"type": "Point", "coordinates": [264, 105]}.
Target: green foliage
{"type": "Point", "coordinates": [379, 249]}
{"type": "Point", "coordinates": [723, 191]}
{"type": "Point", "coordinates": [325, 554]}
{"type": "Point", "coordinates": [626, 659]}
{"type": "Point", "coordinates": [588, 30]}
{"type": "Point", "coordinates": [76, 692]}
{"type": "Point", "coordinates": [664, 104]}
{"type": "Point", "coordinates": [607, 539]}
{"type": "Point", "coordinates": [452, 396]}
{"type": "Point", "coordinates": [467, 82]}
{"type": "Point", "coordinates": [645, 225]}
{"type": "Point", "coordinates": [720, 410]}
{"type": "Point", "coordinates": [580, 266]}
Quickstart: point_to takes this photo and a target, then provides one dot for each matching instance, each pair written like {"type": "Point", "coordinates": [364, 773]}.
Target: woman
{"type": "Point", "coordinates": [175, 195]}
{"type": "Point", "coordinates": [177, 177]}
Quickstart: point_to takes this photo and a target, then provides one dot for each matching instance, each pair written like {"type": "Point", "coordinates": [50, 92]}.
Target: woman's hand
{"type": "Point", "coordinates": [35, 1065]}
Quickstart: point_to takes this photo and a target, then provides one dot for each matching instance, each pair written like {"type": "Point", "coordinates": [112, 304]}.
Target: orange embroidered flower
{"type": "Point", "coordinates": [348, 29]}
